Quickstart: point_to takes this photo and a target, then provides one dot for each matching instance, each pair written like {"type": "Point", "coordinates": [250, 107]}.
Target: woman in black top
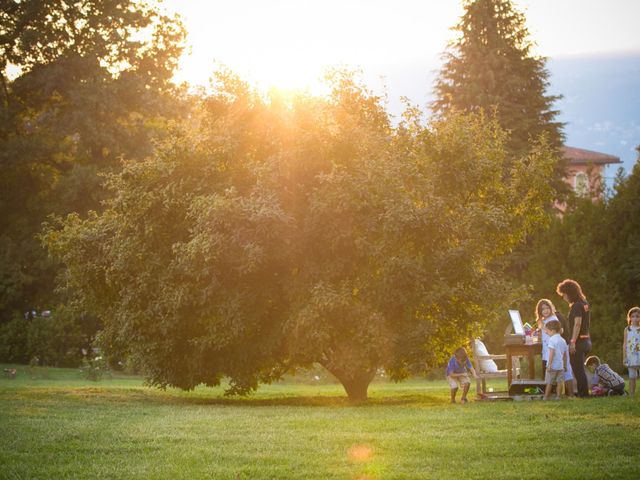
{"type": "Point", "coordinates": [579, 340]}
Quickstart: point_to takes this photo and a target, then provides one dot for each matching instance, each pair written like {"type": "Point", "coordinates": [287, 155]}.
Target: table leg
{"type": "Point", "coordinates": [509, 370]}
{"type": "Point", "coordinates": [532, 367]}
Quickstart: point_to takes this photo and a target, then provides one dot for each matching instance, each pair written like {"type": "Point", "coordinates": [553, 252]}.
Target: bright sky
{"type": "Point", "coordinates": [290, 43]}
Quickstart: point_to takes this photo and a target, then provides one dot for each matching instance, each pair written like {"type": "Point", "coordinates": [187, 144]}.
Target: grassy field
{"type": "Point", "coordinates": [57, 425]}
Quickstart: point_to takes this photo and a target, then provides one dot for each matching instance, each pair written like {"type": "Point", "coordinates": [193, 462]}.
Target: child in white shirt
{"type": "Point", "coordinates": [558, 359]}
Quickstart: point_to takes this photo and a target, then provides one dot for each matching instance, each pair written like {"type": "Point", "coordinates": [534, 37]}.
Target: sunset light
{"type": "Point", "coordinates": [323, 239]}
{"type": "Point", "coordinates": [290, 45]}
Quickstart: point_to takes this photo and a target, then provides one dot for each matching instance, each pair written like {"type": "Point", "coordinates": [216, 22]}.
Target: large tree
{"type": "Point", "coordinates": [490, 66]}
{"type": "Point", "coordinates": [82, 83]}
{"type": "Point", "coordinates": [282, 232]}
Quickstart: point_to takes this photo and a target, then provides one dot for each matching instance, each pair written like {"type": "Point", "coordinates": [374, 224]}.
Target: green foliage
{"type": "Point", "coordinates": [597, 244]}
{"type": "Point", "coordinates": [92, 85]}
{"type": "Point", "coordinates": [13, 341]}
{"type": "Point", "coordinates": [490, 66]}
{"type": "Point", "coordinates": [94, 368]}
{"type": "Point", "coordinates": [283, 232]}
{"type": "Point", "coordinates": [56, 340]}
{"type": "Point", "coordinates": [621, 230]}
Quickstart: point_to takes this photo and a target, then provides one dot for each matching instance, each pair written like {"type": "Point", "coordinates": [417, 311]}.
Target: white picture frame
{"type": "Point", "coordinates": [516, 321]}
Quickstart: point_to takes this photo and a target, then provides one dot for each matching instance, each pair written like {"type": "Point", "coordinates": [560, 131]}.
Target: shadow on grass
{"type": "Point", "coordinates": [91, 395]}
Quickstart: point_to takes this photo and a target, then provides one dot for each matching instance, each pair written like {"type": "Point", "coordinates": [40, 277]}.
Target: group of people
{"type": "Point", "coordinates": [565, 344]}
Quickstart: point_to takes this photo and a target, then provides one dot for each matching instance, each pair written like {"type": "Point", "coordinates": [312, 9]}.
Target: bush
{"type": "Point", "coordinates": [94, 368]}
{"type": "Point", "coordinates": [56, 341]}
{"type": "Point", "coordinates": [13, 342]}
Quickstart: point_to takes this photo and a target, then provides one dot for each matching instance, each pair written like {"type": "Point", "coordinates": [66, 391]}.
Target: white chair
{"type": "Point", "coordinates": [486, 367]}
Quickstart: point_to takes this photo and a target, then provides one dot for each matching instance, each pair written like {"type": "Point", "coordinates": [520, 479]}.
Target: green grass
{"type": "Point", "coordinates": [62, 426]}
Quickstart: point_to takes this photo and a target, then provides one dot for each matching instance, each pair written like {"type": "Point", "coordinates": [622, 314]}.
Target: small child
{"type": "Point", "coordinates": [558, 359]}
{"type": "Point", "coordinates": [631, 347]}
{"type": "Point", "coordinates": [603, 376]}
{"type": "Point", "coordinates": [458, 370]}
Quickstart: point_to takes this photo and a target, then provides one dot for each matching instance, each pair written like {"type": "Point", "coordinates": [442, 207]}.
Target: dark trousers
{"type": "Point", "coordinates": [617, 390]}
{"type": "Point", "coordinates": [583, 347]}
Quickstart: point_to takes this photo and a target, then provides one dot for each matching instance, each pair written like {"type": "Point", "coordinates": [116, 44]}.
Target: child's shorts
{"type": "Point", "coordinates": [455, 382]}
{"type": "Point", "coordinates": [553, 377]}
{"type": "Point", "coordinates": [633, 372]}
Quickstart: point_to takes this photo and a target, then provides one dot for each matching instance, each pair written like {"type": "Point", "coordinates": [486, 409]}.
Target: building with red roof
{"type": "Point", "coordinates": [585, 170]}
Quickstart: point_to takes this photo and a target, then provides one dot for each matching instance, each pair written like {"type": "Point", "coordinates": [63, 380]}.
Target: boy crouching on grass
{"type": "Point", "coordinates": [458, 370]}
{"type": "Point", "coordinates": [609, 381]}
{"type": "Point", "coordinates": [558, 359]}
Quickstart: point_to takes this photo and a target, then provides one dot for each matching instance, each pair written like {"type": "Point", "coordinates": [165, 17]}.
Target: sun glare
{"type": "Point", "coordinates": [289, 45]}
{"type": "Point", "coordinates": [271, 44]}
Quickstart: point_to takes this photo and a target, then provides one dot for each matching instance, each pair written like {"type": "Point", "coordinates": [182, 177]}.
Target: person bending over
{"type": "Point", "coordinates": [603, 376]}
{"type": "Point", "coordinates": [458, 370]}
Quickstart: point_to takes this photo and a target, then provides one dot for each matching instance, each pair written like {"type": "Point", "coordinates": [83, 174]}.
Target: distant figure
{"type": "Point", "coordinates": [458, 370]}
{"type": "Point", "coordinates": [603, 376]}
{"type": "Point", "coordinates": [545, 312]}
{"type": "Point", "coordinates": [579, 338]}
{"type": "Point", "coordinates": [631, 347]}
{"type": "Point", "coordinates": [558, 359]}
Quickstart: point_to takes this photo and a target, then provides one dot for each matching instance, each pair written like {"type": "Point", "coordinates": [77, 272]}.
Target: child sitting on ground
{"type": "Point", "coordinates": [458, 370]}
{"type": "Point", "coordinates": [604, 377]}
{"type": "Point", "coordinates": [558, 359]}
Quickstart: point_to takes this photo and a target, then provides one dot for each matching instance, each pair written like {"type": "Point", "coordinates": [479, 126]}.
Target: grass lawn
{"type": "Point", "coordinates": [58, 425]}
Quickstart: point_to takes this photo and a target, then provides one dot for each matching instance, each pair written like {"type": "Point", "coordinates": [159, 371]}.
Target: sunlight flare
{"type": "Point", "coordinates": [360, 453]}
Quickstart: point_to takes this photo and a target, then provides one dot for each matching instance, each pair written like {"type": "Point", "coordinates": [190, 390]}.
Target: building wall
{"type": "Point", "coordinates": [579, 174]}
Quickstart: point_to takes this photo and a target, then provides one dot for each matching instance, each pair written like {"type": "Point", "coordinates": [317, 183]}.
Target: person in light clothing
{"type": "Point", "coordinates": [545, 312]}
{"type": "Point", "coordinates": [458, 370]}
{"type": "Point", "coordinates": [631, 347]}
{"type": "Point", "coordinates": [558, 357]}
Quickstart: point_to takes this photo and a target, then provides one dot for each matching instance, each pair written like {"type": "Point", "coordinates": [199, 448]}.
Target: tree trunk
{"type": "Point", "coordinates": [357, 389]}
{"type": "Point", "coordinates": [355, 383]}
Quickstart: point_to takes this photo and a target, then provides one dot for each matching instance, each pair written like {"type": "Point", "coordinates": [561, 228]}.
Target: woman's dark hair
{"type": "Point", "coordinates": [572, 289]}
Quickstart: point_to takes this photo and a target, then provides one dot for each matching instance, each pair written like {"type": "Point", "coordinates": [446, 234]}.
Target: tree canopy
{"type": "Point", "coordinates": [278, 232]}
{"type": "Point", "coordinates": [83, 83]}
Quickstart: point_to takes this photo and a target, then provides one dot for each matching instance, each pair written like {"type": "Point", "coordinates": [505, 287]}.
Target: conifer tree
{"type": "Point", "coordinates": [491, 66]}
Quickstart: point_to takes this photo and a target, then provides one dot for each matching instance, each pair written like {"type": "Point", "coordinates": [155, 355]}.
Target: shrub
{"type": "Point", "coordinates": [94, 368]}
{"type": "Point", "coordinates": [57, 340]}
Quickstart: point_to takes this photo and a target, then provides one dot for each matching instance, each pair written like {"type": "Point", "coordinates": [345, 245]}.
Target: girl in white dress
{"type": "Point", "coordinates": [631, 347]}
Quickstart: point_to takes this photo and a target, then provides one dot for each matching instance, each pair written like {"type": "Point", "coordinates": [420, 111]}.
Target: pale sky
{"type": "Point", "coordinates": [397, 44]}
{"type": "Point", "coordinates": [290, 43]}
